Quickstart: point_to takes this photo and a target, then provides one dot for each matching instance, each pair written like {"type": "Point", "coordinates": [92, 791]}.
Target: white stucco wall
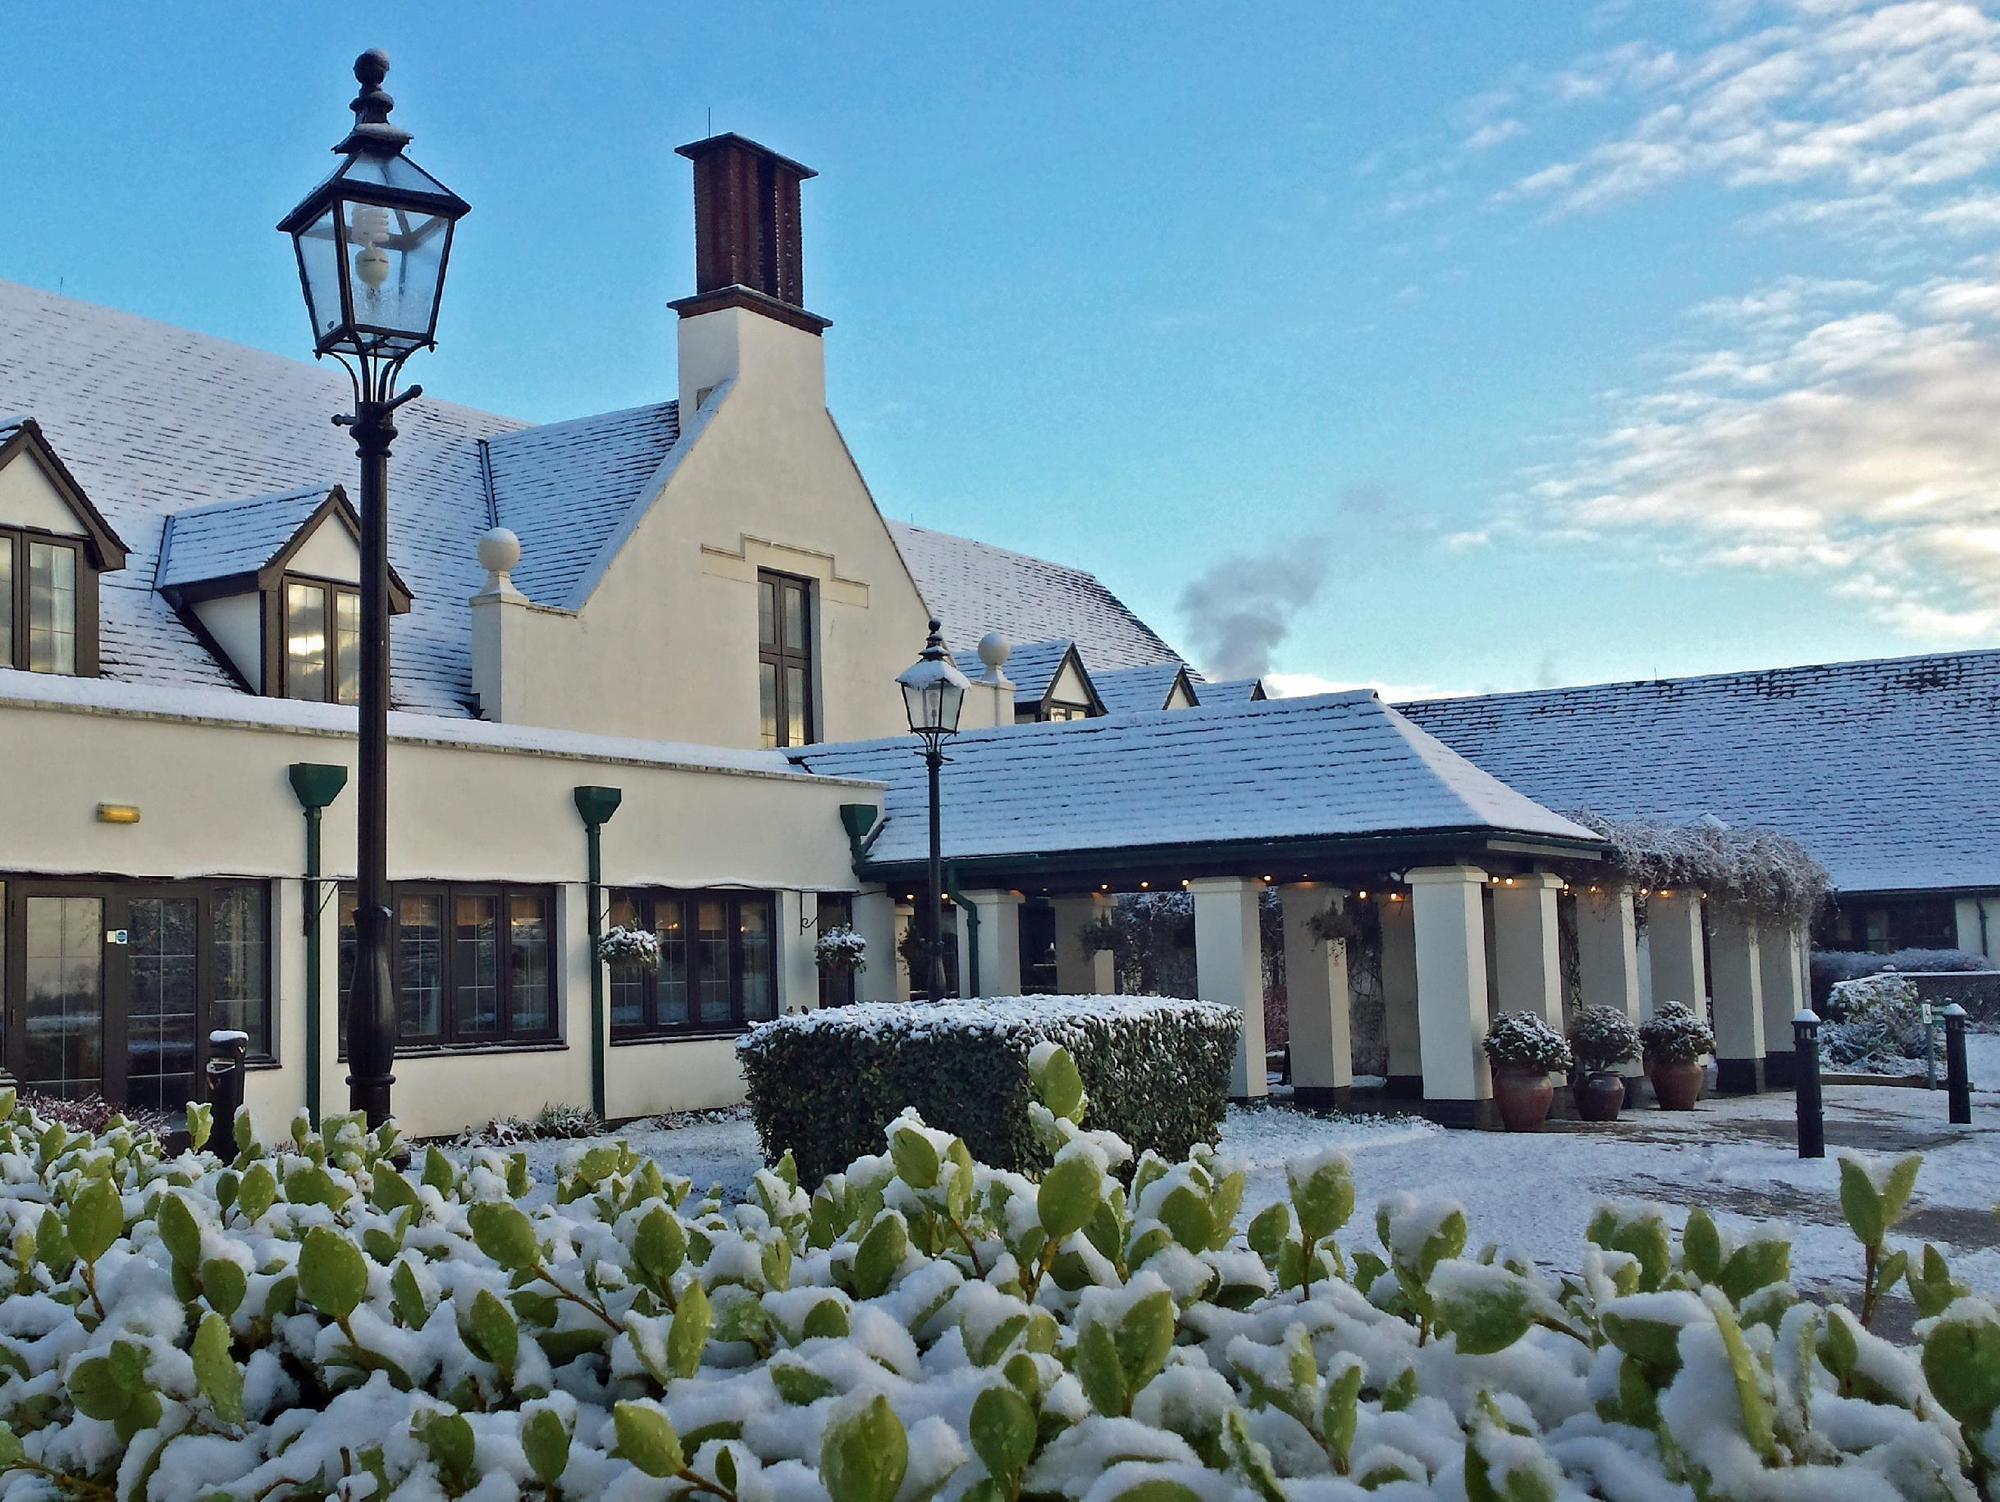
{"type": "Point", "coordinates": [237, 624]}
{"type": "Point", "coordinates": [329, 553]}
{"type": "Point", "coordinates": [665, 645]}
{"type": "Point", "coordinates": [27, 499]}
{"type": "Point", "coordinates": [215, 799]}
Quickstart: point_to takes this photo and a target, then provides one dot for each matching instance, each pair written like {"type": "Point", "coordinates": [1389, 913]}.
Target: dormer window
{"type": "Point", "coordinates": [271, 586]}
{"type": "Point", "coordinates": [53, 545]}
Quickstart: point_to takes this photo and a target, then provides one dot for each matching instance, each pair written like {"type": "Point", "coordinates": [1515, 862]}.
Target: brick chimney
{"type": "Point", "coordinates": [746, 323]}
{"type": "Point", "coordinates": [747, 250]}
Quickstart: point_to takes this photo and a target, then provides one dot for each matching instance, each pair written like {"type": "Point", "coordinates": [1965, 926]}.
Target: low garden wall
{"type": "Point", "coordinates": [822, 1084]}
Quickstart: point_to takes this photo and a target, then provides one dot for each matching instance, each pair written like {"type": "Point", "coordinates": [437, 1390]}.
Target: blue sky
{"type": "Point", "coordinates": [1449, 346]}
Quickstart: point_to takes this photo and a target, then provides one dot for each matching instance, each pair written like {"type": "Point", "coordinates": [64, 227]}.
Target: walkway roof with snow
{"type": "Point", "coordinates": [1888, 771]}
{"type": "Point", "coordinates": [1212, 787]}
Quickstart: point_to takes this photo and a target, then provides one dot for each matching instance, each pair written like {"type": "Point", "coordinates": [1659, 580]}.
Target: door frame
{"type": "Point", "coordinates": [117, 895]}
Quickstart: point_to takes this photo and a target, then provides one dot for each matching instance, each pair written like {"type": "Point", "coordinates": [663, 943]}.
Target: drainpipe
{"type": "Point", "coordinates": [968, 982]}
{"type": "Point", "coordinates": [596, 805]}
{"type": "Point", "coordinates": [316, 785]}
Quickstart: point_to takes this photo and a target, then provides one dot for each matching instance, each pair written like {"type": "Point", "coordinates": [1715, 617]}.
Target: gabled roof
{"type": "Point", "coordinates": [1888, 770]}
{"type": "Point", "coordinates": [1338, 767]}
{"type": "Point", "coordinates": [24, 435]}
{"type": "Point", "coordinates": [1033, 669]}
{"type": "Point", "coordinates": [245, 545]}
{"type": "Point", "coordinates": [973, 588]}
{"type": "Point", "coordinates": [1139, 690]}
{"type": "Point", "coordinates": [568, 488]}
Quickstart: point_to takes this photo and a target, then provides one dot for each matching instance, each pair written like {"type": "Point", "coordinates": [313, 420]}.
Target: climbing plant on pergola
{"type": "Point", "coordinates": [1767, 876]}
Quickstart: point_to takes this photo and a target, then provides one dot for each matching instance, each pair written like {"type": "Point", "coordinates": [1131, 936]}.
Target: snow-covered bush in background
{"type": "Point", "coordinates": [304, 1320]}
{"type": "Point", "coordinates": [822, 1083]}
{"type": "Point", "coordinates": [1881, 1030]}
{"type": "Point", "coordinates": [629, 948]}
{"type": "Point", "coordinates": [1523, 1040]}
{"type": "Point", "coordinates": [841, 951]}
{"type": "Point", "coordinates": [1831, 965]}
{"type": "Point", "coordinates": [558, 1120]}
{"type": "Point", "coordinates": [1674, 1035]}
{"type": "Point", "coordinates": [1603, 1038]}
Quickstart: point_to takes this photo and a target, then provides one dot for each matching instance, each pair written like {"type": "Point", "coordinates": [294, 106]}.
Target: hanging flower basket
{"type": "Point", "coordinates": [1333, 924]}
{"type": "Point", "coordinates": [1100, 934]}
{"type": "Point", "coordinates": [841, 951]}
{"type": "Point", "coordinates": [629, 949]}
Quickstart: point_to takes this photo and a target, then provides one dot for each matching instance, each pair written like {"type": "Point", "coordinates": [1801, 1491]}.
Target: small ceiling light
{"type": "Point", "coordinates": [1362, 895]}
{"type": "Point", "coordinates": [1145, 886]}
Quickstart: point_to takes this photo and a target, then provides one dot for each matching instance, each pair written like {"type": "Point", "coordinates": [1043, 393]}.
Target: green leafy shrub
{"type": "Point", "coordinates": [1603, 1038]}
{"type": "Point", "coordinates": [304, 1320]}
{"type": "Point", "coordinates": [822, 1083]}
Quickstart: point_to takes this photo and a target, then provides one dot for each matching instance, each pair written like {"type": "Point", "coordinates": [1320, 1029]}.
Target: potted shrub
{"type": "Point", "coordinates": [1675, 1041]}
{"type": "Point", "coordinates": [1602, 1038]}
{"type": "Point", "coordinates": [1524, 1050]}
{"type": "Point", "coordinates": [840, 951]}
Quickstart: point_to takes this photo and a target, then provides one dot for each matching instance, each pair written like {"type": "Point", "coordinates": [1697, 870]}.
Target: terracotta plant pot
{"type": "Point", "coordinates": [1600, 1095]}
{"type": "Point", "coordinates": [1524, 1097]}
{"type": "Point", "coordinates": [1677, 1083]}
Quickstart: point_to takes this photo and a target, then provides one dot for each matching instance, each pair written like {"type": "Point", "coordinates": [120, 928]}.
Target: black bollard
{"type": "Point", "coordinates": [1805, 1084]}
{"type": "Point", "coordinates": [1958, 1081]}
{"type": "Point", "coordinates": [226, 1051]}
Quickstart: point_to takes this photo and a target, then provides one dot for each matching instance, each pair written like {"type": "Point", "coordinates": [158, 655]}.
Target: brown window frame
{"type": "Point", "coordinates": [646, 903]}
{"type": "Point", "coordinates": [780, 655]}
{"type": "Point", "coordinates": [277, 661]}
{"type": "Point", "coordinates": [451, 1033]}
{"type": "Point", "coordinates": [86, 630]}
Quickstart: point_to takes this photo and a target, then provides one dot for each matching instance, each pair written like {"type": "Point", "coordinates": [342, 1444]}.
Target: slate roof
{"type": "Point", "coordinates": [1136, 690]}
{"type": "Point", "coordinates": [1031, 668]}
{"type": "Point", "coordinates": [232, 537]}
{"type": "Point", "coordinates": [568, 491]}
{"type": "Point", "coordinates": [153, 420]}
{"type": "Point", "coordinates": [1888, 771]}
{"type": "Point", "coordinates": [1228, 691]}
{"type": "Point", "coordinates": [974, 587]}
{"type": "Point", "coordinates": [1332, 766]}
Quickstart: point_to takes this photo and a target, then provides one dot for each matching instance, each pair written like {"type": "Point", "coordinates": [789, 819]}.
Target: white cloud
{"type": "Point", "coordinates": [1493, 133]}
{"type": "Point", "coordinates": [1866, 453]}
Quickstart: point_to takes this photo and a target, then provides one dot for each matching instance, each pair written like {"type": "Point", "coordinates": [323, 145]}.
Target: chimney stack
{"type": "Point", "coordinates": [747, 242]}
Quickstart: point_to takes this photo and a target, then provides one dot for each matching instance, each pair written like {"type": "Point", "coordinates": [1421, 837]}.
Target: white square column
{"type": "Point", "coordinates": [875, 920]}
{"type": "Point", "coordinates": [905, 983]}
{"type": "Point", "coordinates": [1080, 971]}
{"type": "Point", "coordinates": [1673, 940]}
{"type": "Point", "coordinates": [798, 968]}
{"type": "Point", "coordinates": [1399, 999]}
{"type": "Point", "coordinates": [1229, 968]}
{"type": "Point", "coordinates": [1450, 921]}
{"type": "Point", "coordinates": [1781, 958]}
{"type": "Point", "coordinates": [1527, 953]}
{"type": "Point", "coordinates": [1607, 952]}
{"type": "Point", "coordinates": [1739, 1001]}
{"type": "Point", "coordinates": [1316, 996]}
{"type": "Point", "coordinates": [990, 924]}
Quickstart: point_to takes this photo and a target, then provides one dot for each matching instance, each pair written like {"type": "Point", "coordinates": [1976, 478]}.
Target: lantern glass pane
{"type": "Point", "coordinates": [319, 266]}
{"type": "Point", "coordinates": [951, 699]}
{"type": "Point", "coordinates": [395, 260]}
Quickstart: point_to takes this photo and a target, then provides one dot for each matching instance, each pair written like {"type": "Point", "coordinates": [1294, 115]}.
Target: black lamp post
{"type": "Point", "coordinates": [372, 241]}
{"type": "Point", "coordinates": [933, 694]}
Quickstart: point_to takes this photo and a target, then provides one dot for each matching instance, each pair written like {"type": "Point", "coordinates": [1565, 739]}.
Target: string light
{"type": "Point", "coordinates": [1145, 886]}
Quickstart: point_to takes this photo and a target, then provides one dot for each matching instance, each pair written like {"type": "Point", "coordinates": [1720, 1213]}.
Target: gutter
{"type": "Point", "coordinates": [316, 786]}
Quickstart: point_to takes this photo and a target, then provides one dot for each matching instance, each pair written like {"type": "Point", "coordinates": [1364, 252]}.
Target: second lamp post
{"type": "Point", "coordinates": [372, 242]}
{"type": "Point", "coordinates": [933, 694]}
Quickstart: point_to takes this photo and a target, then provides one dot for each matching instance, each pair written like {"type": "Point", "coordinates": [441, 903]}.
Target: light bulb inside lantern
{"type": "Point", "coordinates": [368, 229]}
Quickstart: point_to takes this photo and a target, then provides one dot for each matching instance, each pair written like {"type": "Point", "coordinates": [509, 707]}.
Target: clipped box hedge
{"type": "Point", "coordinates": [822, 1083]}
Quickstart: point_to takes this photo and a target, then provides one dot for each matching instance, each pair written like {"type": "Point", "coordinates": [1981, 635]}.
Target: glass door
{"type": "Point", "coordinates": [60, 1028]}
{"type": "Point", "coordinates": [162, 985]}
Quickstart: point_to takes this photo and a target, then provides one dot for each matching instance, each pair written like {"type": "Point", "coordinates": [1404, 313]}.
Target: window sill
{"type": "Point", "coordinates": [476, 1050]}
{"type": "Point", "coordinates": [685, 1035]}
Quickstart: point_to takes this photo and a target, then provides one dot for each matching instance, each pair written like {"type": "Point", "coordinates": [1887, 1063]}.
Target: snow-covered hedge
{"type": "Point", "coordinates": [306, 1321]}
{"type": "Point", "coordinates": [1881, 1028]}
{"type": "Point", "coordinates": [822, 1083]}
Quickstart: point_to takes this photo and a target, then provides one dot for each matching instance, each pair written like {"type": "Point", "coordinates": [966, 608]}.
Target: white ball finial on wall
{"type": "Point", "coordinates": [994, 649]}
{"type": "Point", "coordinates": [499, 555]}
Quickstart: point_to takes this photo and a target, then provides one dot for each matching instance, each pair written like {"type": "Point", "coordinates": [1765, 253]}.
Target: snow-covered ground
{"type": "Point", "coordinates": [1735, 1157]}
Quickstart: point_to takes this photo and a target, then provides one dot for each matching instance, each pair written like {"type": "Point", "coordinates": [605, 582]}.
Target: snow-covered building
{"type": "Point", "coordinates": [1888, 771]}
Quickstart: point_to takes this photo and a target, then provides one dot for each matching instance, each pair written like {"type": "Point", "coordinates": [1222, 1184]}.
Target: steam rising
{"type": "Point", "coordinates": [1243, 606]}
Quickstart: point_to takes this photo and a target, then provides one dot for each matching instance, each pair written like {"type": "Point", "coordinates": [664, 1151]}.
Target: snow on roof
{"type": "Point", "coordinates": [233, 537]}
{"type": "Point", "coordinates": [1337, 765]}
{"type": "Point", "coordinates": [567, 487]}
{"type": "Point", "coordinates": [1031, 668]}
{"type": "Point", "coordinates": [230, 707]}
{"type": "Point", "coordinates": [1136, 690]}
{"type": "Point", "coordinates": [153, 420]}
{"type": "Point", "coordinates": [1888, 771]}
{"type": "Point", "coordinates": [1228, 691]}
{"type": "Point", "coordinates": [974, 587]}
